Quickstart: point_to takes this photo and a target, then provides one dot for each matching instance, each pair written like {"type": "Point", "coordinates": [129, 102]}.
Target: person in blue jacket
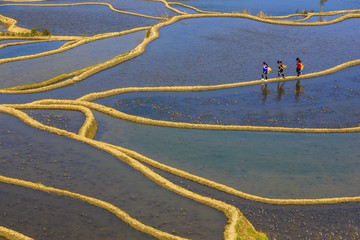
{"type": "Point", "coordinates": [265, 71]}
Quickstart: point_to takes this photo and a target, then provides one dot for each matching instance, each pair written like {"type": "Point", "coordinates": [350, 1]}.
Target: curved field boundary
{"type": "Point", "coordinates": [309, 15]}
{"type": "Point", "coordinates": [141, 120]}
{"type": "Point", "coordinates": [232, 191]}
{"type": "Point", "coordinates": [68, 46]}
{"type": "Point", "coordinates": [52, 104]}
{"type": "Point", "coordinates": [99, 95]}
{"type": "Point", "coordinates": [83, 4]}
{"type": "Point", "coordinates": [236, 221]}
{"type": "Point", "coordinates": [89, 127]}
{"type": "Point", "coordinates": [190, 7]}
{"type": "Point", "coordinates": [2, 46]}
{"type": "Point", "coordinates": [11, 23]}
{"type": "Point", "coordinates": [122, 215]}
{"type": "Point", "coordinates": [153, 34]}
{"type": "Point", "coordinates": [12, 235]}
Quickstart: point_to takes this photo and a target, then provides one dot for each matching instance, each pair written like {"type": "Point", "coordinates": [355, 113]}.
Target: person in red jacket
{"type": "Point", "coordinates": [298, 67]}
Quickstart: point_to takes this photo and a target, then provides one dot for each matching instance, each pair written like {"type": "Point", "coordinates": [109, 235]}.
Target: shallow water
{"type": "Point", "coordinates": [22, 50]}
{"type": "Point", "coordinates": [66, 120]}
{"type": "Point", "coordinates": [273, 7]}
{"type": "Point", "coordinates": [324, 102]}
{"type": "Point", "coordinates": [289, 222]}
{"type": "Point", "coordinates": [304, 165]}
{"type": "Point", "coordinates": [38, 156]}
{"type": "Point", "coordinates": [226, 51]}
{"type": "Point", "coordinates": [17, 73]}
{"type": "Point", "coordinates": [76, 20]}
{"type": "Point", "coordinates": [47, 216]}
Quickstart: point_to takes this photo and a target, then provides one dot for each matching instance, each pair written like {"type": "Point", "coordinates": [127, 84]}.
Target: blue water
{"type": "Point", "coordinates": [75, 20]}
{"type": "Point", "coordinates": [21, 50]}
{"type": "Point", "coordinates": [38, 156]}
{"type": "Point", "coordinates": [17, 73]}
{"type": "Point", "coordinates": [324, 102]}
{"type": "Point", "coordinates": [281, 165]}
{"type": "Point", "coordinates": [273, 7]}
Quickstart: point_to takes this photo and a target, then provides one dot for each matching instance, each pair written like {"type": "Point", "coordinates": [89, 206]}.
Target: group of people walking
{"type": "Point", "coordinates": [281, 69]}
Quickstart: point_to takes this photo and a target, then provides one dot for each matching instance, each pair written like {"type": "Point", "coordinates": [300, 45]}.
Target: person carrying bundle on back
{"type": "Point", "coordinates": [266, 70]}
{"type": "Point", "coordinates": [281, 69]}
{"type": "Point", "coordinates": [299, 66]}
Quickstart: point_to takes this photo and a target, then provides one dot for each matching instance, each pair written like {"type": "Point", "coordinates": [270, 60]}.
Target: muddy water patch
{"type": "Point", "coordinates": [54, 161]}
{"type": "Point", "coordinates": [66, 120]}
{"type": "Point", "coordinates": [304, 165]}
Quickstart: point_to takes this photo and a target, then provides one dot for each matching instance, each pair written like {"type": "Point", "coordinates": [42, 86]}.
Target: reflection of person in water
{"type": "Point", "coordinates": [299, 89]}
{"type": "Point", "coordinates": [280, 91]}
{"type": "Point", "coordinates": [265, 91]}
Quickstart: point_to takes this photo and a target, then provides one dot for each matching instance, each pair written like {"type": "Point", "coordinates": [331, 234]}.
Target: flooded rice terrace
{"type": "Point", "coordinates": [134, 119]}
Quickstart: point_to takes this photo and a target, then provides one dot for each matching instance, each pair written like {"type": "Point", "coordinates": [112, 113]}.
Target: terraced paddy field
{"type": "Point", "coordinates": [149, 120]}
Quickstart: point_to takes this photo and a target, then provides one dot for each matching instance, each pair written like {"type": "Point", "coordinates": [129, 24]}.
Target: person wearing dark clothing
{"type": "Point", "coordinates": [265, 71]}
{"type": "Point", "coordinates": [298, 67]}
{"type": "Point", "coordinates": [281, 69]}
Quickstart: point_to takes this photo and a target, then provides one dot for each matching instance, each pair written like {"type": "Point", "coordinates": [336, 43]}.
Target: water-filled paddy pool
{"type": "Point", "coordinates": [38, 156]}
{"type": "Point", "coordinates": [304, 165]}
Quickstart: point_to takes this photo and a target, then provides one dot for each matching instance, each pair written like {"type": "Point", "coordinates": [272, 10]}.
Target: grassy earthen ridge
{"type": "Point", "coordinates": [2, 46]}
{"type": "Point", "coordinates": [153, 34]}
{"type": "Point", "coordinates": [11, 23]}
{"type": "Point", "coordinates": [309, 15]}
{"type": "Point", "coordinates": [194, 178]}
{"type": "Point", "coordinates": [232, 191]}
{"type": "Point", "coordinates": [52, 81]}
{"type": "Point", "coordinates": [68, 46]}
{"type": "Point", "coordinates": [89, 127]}
{"type": "Point", "coordinates": [141, 120]}
{"type": "Point", "coordinates": [95, 202]}
{"type": "Point", "coordinates": [190, 7]}
{"type": "Point", "coordinates": [12, 235]}
{"type": "Point", "coordinates": [83, 4]}
{"type": "Point", "coordinates": [232, 213]}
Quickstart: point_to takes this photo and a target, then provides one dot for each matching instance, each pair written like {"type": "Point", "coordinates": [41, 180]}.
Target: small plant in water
{"type": "Point", "coordinates": [304, 12]}
{"type": "Point", "coordinates": [261, 15]}
{"type": "Point", "coordinates": [33, 32]}
{"type": "Point", "coordinates": [46, 32]}
{"type": "Point", "coordinates": [246, 12]}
